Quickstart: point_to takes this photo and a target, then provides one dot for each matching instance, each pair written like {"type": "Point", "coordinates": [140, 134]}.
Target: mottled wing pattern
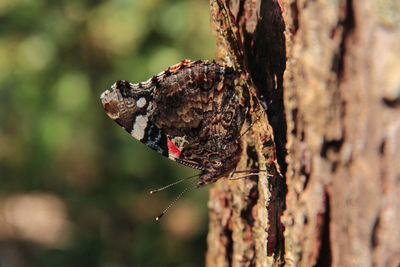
{"type": "Point", "coordinates": [128, 105]}
{"type": "Point", "coordinates": [191, 113]}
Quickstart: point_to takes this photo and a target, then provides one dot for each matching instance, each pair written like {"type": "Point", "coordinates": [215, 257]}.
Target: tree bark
{"type": "Point", "coordinates": [342, 89]}
{"type": "Point", "coordinates": [245, 227]}
{"type": "Point", "coordinates": [333, 195]}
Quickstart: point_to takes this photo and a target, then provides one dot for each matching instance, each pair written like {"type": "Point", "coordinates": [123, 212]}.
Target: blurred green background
{"type": "Point", "coordinates": [74, 186]}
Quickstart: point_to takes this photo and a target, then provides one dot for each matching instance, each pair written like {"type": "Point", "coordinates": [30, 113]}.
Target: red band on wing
{"type": "Point", "coordinates": [172, 149]}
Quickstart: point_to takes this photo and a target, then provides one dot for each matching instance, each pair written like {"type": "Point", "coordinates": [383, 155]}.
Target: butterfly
{"type": "Point", "coordinates": [192, 113]}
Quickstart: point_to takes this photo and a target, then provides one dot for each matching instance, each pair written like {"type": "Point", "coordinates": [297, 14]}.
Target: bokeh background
{"type": "Point", "coordinates": [74, 187]}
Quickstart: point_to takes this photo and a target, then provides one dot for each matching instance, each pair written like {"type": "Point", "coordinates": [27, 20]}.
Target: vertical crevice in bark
{"type": "Point", "coordinates": [254, 205]}
{"type": "Point", "coordinates": [275, 207]}
{"type": "Point", "coordinates": [325, 254]}
{"type": "Point", "coordinates": [375, 234]}
{"type": "Point", "coordinates": [229, 245]}
{"type": "Point", "coordinates": [294, 15]}
{"type": "Point", "coordinates": [346, 24]}
{"type": "Point", "coordinates": [265, 54]}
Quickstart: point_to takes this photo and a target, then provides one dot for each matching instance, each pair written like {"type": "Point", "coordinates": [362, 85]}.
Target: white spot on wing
{"type": "Point", "coordinates": [141, 102]}
{"type": "Point", "coordinates": [139, 127]}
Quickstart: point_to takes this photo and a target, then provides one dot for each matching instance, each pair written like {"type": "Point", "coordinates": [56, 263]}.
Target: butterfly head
{"type": "Point", "coordinates": [125, 101]}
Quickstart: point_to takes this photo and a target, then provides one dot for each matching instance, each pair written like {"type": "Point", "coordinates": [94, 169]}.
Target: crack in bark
{"type": "Point", "coordinates": [391, 103]}
{"type": "Point", "coordinates": [325, 254]}
{"type": "Point", "coordinates": [375, 233]}
{"type": "Point", "coordinates": [229, 244]}
{"type": "Point", "coordinates": [347, 24]}
{"type": "Point", "coordinates": [275, 208]}
{"type": "Point", "coordinates": [295, 18]}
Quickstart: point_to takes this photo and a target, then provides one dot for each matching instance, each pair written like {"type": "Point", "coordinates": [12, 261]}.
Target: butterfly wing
{"type": "Point", "coordinates": [199, 110]}
{"type": "Point", "coordinates": [190, 113]}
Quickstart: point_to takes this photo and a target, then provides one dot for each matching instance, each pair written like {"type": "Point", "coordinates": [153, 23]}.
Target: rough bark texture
{"type": "Point", "coordinates": [245, 226]}
{"type": "Point", "coordinates": [342, 101]}
{"type": "Point", "coordinates": [342, 106]}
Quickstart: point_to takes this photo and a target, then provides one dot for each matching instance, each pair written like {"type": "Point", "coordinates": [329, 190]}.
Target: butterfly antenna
{"type": "Point", "coordinates": [254, 170]}
{"type": "Point", "coordinates": [173, 202]}
{"type": "Point", "coordinates": [245, 176]}
{"type": "Point", "coordinates": [248, 128]}
{"type": "Point", "coordinates": [252, 173]}
{"type": "Point", "coordinates": [174, 183]}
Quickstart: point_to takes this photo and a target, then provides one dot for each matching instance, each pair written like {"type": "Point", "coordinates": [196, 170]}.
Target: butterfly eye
{"type": "Point", "coordinates": [130, 103]}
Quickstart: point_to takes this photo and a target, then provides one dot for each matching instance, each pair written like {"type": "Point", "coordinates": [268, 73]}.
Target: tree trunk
{"type": "Point", "coordinates": [342, 101]}
{"type": "Point", "coordinates": [342, 105]}
{"type": "Point", "coordinates": [245, 227]}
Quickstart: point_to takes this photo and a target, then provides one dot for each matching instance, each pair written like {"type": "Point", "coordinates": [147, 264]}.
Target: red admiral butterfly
{"type": "Point", "coordinates": [192, 113]}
